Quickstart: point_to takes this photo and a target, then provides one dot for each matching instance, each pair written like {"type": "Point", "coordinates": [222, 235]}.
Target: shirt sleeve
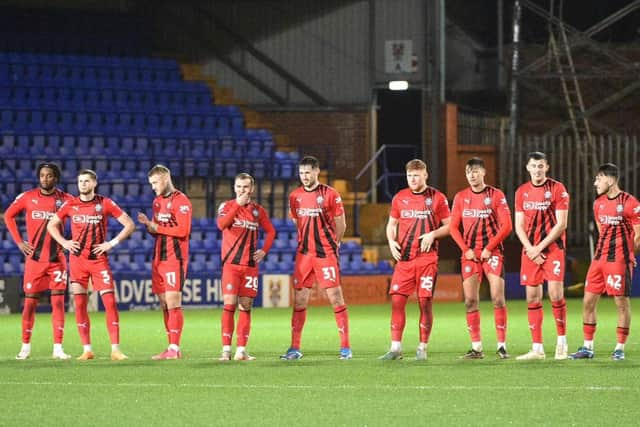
{"type": "Point", "coordinates": [633, 211]}
{"type": "Point", "coordinates": [561, 198]}
{"type": "Point", "coordinates": [226, 214]}
{"type": "Point", "coordinates": [518, 203]}
{"type": "Point", "coordinates": [293, 208]}
{"type": "Point", "coordinates": [181, 209]}
{"type": "Point", "coordinates": [394, 212]}
{"type": "Point", "coordinates": [338, 207]}
{"type": "Point", "coordinates": [112, 208]}
{"type": "Point", "coordinates": [504, 220]}
{"type": "Point", "coordinates": [454, 225]}
{"type": "Point", "coordinates": [269, 230]}
{"type": "Point", "coordinates": [14, 209]}
{"type": "Point", "coordinates": [443, 207]}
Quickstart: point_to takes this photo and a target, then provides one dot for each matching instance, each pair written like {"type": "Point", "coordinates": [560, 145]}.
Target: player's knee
{"type": "Point", "coordinates": [471, 304]}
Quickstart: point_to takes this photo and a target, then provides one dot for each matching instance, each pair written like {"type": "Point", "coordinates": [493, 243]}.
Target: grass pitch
{"type": "Point", "coordinates": [319, 389]}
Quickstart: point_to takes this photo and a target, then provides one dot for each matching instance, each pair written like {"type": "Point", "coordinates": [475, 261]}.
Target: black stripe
{"type": "Point", "coordinates": [327, 234]}
{"type": "Point", "coordinates": [316, 239]}
{"type": "Point", "coordinates": [305, 237]}
{"type": "Point", "coordinates": [253, 238]}
{"type": "Point", "coordinates": [41, 234]}
{"type": "Point", "coordinates": [163, 247]}
{"type": "Point", "coordinates": [94, 240]}
{"type": "Point", "coordinates": [409, 243]}
{"type": "Point", "coordinates": [228, 254]}
{"type": "Point", "coordinates": [176, 248]}
{"type": "Point", "coordinates": [237, 259]}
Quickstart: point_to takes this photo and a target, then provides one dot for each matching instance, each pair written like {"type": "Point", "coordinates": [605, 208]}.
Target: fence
{"type": "Point", "coordinates": [567, 166]}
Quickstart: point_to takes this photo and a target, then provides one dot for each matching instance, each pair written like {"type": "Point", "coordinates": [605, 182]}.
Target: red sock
{"type": "Point", "coordinates": [165, 318]}
{"type": "Point", "coordinates": [426, 318]}
{"type": "Point", "coordinates": [500, 320]}
{"type": "Point", "coordinates": [297, 323]}
{"type": "Point", "coordinates": [535, 316]}
{"type": "Point", "coordinates": [82, 318]}
{"type": "Point", "coordinates": [473, 324]}
{"type": "Point", "coordinates": [176, 322]}
{"type": "Point", "coordinates": [57, 317]}
{"type": "Point", "coordinates": [244, 328]}
{"type": "Point", "coordinates": [112, 316]}
{"type": "Point", "coordinates": [226, 323]}
{"type": "Point", "coordinates": [342, 321]}
{"type": "Point", "coordinates": [588, 330]}
{"type": "Point", "coordinates": [560, 314]}
{"type": "Point", "coordinates": [28, 318]}
{"type": "Point", "coordinates": [398, 316]}
{"type": "Point", "coordinates": [622, 334]}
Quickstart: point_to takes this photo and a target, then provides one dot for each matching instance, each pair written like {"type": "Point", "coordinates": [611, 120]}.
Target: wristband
{"type": "Point", "coordinates": [114, 242]}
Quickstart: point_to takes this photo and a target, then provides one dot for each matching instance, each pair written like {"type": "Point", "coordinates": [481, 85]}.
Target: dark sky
{"type": "Point", "coordinates": [479, 17]}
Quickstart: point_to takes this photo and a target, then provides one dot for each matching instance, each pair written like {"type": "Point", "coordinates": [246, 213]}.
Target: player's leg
{"type": "Point", "coordinates": [303, 279]}
{"type": "Point", "coordinates": [58, 285]}
{"type": "Point", "coordinates": [553, 268]}
{"type": "Point", "coordinates": [402, 285]}
{"type": "Point", "coordinates": [496, 287]}
{"type": "Point", "coordinates": [35, 281]}
{"type": "Point", "coordinates": [471, 290]}
{"type": "Point", "coordinates": [244, 328]}
{"type": "Point", "coordinates": [535, 315]}
{"type": "Point", "coordinates": [28, 320]}
{"type": "Point", "coordinates": [170, 278]}
{"type": "Point", "coordinates": [230, 284]}
{"type": "Point", "coordinates": [158, 288]}
{"type": "Point", "coordinates": [81, 300]}
{"type": "Point", "coordinates": [532, 278]}
{"type": "Point", "coordinates": [624, 322]}
{"type": "Point", "coordinates": [341, 314]}
{"type": "Point", "coordinates": [593, 288]}
{"type": "Point", "coordinates": [426, 273]}
{"type": "Point", "coordinates": [102, 282]}
{"type": "Point", "coordinates": [176, 323]}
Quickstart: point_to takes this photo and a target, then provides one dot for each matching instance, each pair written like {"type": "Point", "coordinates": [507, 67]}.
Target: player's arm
{"type": "Point", "coordinates": [146, 222]}
{"type": "Point", "coordinates": [183, 220]}
{"type": "Point", "coordinates": [53, 227]}
{"type": "Point", "coordinates": [636, 238]}
{"type": "Point", "coordinates": [269, 237]}
{"type": "Point", "coordinates": [127, 228]}
{"type": "Point", "coordinates": [392, 235]}
{"type": "Point", "coordinates": [427, 239]}
{"type": "Point", "coordinates": [505, 226]}
{"type": "Point", "coordinates": [341, 227]}
{"type": "Point", "coordinates": [226, 214]}
{"type": "Point", "coordinates": [521, 232]}
{"type": "Point", "coordinates": [554, 234]}
{"type": "Point", "coordinates": [10, 220]}
{"type": "Point", "coordinates": [454, 228]}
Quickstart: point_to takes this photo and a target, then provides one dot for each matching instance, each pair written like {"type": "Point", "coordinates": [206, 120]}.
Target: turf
{"type": "Point", "coordinates": [319, 389]}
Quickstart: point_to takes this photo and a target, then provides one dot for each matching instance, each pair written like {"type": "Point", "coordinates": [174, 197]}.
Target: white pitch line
{"type": "Point", "coordinates": [326, 387]}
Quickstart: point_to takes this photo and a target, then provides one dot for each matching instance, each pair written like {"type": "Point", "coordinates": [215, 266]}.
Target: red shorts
{"type": "Point", "coordinates": [83, 269]}
{"type": "Point", "coordinates": [418, 274]}
{"type": "Point", "coordinates": [240, 280]}
{"type": "Point", "coordinates": [41, 276]}
{"type": "Point", "coordinates": [494, 265]}
{"type": "Point", "coordinates": [551, 270]}
{"type": "Point", "coordinates": [614, 278]}
{"type": "Point", "coordinates": [167, 276]}
{"type": "Point", "coordinates": [311, 269]}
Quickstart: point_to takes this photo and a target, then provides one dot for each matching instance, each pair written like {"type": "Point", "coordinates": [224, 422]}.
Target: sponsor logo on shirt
{"type": "Point", "coordinates": [476, 213]}
{"type": "Point", "coordinates": [536, 206]}
{"type": "Point", "coordinates": [310, 212]}
{"type": "Point", "coordinates": [610, 219]}
{"type": "Point", "coordinates": [243, 223]}
{"type": "Point", "coordinates": [413, 213]}
{"type": "Point", "coordinates": [86, 219]}
{"type": "Point", "coordinates": [163, 217]}
{"type": "Point", "coordinates": [41, 215]}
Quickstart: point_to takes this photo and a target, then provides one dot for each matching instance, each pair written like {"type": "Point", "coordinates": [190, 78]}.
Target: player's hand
{"type": "Point", "coordinates": [485, 254]}
{"type": "Point", "coordinates": [243, 199]}
{"type": "Point", "coordinates": [395, 249]}
{"type": "Point", "coordinates": [259, 255]}
{"type": "Point", "coordinates": [533, 253]}
{"type": "Point", "coordinates": [25, 248]}
{"type": "Point", "coordinates": [470, 255]}
{"type": "Point", "coordinates": [102, 248]}
{"type": "Point", "coordinates": [71, 245]}
{"type": "Point", "coordinates": [143, 219]}
{"type": "Point", "coordinates": [426, 241]}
